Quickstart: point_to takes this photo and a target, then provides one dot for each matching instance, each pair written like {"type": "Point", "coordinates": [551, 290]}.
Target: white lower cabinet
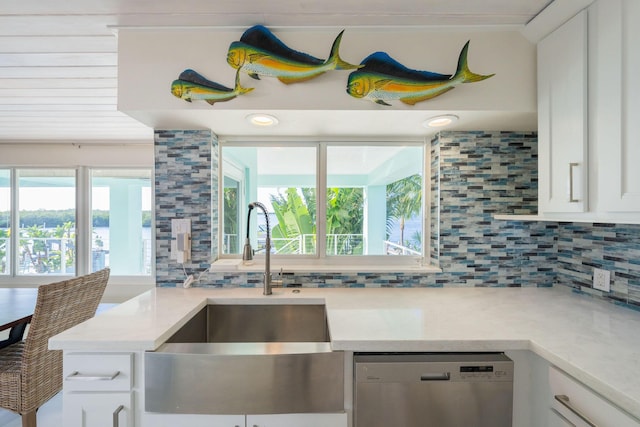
{"type": "Point", "coordinates": [556, 419]}
{"type": "Point", "coordinates": [98, 390]}
{"type": "Point", "coordinates": [192, 420]}
{"type": "Point", "coordinates": [297, 420]}
{"type": "Point", "coordinates": [271, 420]}
{"type": "Point", "coordinates": [575, 404]}
{"type": "Point", "coordinates": [99, 410]}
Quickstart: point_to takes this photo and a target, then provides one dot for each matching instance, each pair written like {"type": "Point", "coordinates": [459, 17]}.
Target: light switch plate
{"type": "Point", "coordinates": [602, 279]}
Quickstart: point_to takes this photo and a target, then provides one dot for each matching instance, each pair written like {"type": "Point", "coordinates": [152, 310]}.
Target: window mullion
{"type": "Point", "coordinates": [321, 201]}
{"type": "Point", "coordinates": [83, 221]}
{"type": "Point", "coordinates": [13, 241]}
{"type": "Point", "coordinates": [426, 205]}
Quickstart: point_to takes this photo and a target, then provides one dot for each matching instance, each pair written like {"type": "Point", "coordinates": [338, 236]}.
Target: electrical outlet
{"type": "Point", "coordinates": [601, 279]}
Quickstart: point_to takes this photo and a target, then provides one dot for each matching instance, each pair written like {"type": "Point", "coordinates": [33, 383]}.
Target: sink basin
{"type": "Point", "coordinates": [255, 323]}
{"type": "Point", "coordinates": [247, 359]}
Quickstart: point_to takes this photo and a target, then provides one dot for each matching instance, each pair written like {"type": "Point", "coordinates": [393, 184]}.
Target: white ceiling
{"type": "Point", "coordinates": [58, 59]}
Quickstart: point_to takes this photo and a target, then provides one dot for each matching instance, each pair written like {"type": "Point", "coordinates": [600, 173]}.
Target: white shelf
{"type": "Point", "coordinates": [630, 218]}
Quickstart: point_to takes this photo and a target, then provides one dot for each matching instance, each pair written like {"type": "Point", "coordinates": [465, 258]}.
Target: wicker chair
{"type": "Point", "coordinates": [30, 373]}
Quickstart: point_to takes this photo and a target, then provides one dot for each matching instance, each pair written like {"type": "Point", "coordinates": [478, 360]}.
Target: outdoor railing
{"type": "Point", "coordinates": [56, 255]}
{"type": "Point", "coordinates": [396, 249]}
{"type": "Point", "coordinates": [337, 244]}
{"type": "Point", "coordinates": [46, 255]}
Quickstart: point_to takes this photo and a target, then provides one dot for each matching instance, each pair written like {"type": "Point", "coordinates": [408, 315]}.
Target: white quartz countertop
{"type": "Point", "coordinates": [595, 341]}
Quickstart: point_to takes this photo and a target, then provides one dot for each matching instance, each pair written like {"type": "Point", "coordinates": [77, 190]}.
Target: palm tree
{"type": "Point", "coordinates": [345, 215]}
{"type": "Point", "coordinates": [297, 215]}
{"type": "Point", "coordinates": [230, 222]}
{"type": "Point", "coordinates": [294, 219]}
{"type": "Point", "coordinates": [404, 201]}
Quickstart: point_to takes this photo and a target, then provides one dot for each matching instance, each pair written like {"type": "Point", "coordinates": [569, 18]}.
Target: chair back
{"type": "Point", "coordinates": [59, 306]}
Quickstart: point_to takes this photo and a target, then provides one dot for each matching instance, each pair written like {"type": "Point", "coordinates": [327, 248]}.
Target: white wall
{"type": "Point", "coordinates": [149, 60]}
{"type": "Point", "coordinates": [76, 154]}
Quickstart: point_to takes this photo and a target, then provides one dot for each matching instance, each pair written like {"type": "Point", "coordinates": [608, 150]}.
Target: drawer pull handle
{"type": "Point", "coordinates": [445, 376]}
{"type": "Point", "coordinates": [571, 198]}
{"type": "Point", "coordinates": [564, 400]}
{"type": "Point", "coordinates": [77, 376]}
{"type": "Point", "coordinates": [116, 413]}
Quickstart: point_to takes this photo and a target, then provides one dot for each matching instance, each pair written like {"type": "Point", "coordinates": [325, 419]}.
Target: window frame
{"type": "Point", "coordinates": [321, 261]}
{"type": "Point", "coordinates": [83, 228]}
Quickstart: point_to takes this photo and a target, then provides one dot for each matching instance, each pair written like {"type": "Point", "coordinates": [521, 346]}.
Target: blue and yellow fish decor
{"type": "Point", "coordinates": [192, 86]}
{"type": "Point", "coordinates": [260, 53]}
{"type": "Point", "coordinates": [382, 80]}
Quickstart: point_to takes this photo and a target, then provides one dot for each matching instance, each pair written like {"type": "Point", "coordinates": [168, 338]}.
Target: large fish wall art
{"type": "Point", "coordinates": [382, 80]}
{"type": "Point", "coordinates": [260, 53]}
{"type": "Point", "coordinates": [192, 86]}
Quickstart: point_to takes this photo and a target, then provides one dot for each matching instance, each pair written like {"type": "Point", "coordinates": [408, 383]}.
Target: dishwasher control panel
{"type": "Point", "coordinates": [470, 367]}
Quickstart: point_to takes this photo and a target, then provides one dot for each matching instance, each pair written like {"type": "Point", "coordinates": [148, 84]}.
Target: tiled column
{"type": "Point", "coordinates": [184, 185]}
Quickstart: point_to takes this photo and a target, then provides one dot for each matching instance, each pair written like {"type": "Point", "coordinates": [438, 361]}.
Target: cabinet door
{"type": "Point", "coordinates": [615, 95]}
{"type": "Point", "coordinates": [297, 420]}
{"type": "Point", "coordinates": [192, 420]}
{"type": "Point", "coordinates": [557, 420]}
{"type": "Point", "coordinates": [582, 406]}
{"type": "Point", "coordinates": [562, 118]}
{"type": "Point", "coordinates": [98, 410]}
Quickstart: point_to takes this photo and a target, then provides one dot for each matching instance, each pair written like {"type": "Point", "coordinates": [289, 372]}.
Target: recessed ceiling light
{"type": "Point", "coordinates": [439, 121]}
{"type": "Point", "coordinates": [260, 119]}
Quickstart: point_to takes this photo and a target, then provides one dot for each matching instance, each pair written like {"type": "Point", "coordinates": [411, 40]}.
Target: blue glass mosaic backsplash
{"type": "Point", "coordinates": [474, 175]}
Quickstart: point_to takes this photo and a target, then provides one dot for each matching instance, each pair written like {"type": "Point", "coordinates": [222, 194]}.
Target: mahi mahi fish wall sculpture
{"type": "Point", "coordinates": [192, 86]}
{"type": "Point", "coordinates": [382, 79]}
{"type": "Point", "coordinates": [379, 78]}
{"type": "Point", "coordinates": [260, 53]}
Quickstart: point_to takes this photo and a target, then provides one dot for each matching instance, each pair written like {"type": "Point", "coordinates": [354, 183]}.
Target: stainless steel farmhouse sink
{"type": "Point", "coordinates": [247, 359]}
{"type": "Point", "coordinates": [256, 323]}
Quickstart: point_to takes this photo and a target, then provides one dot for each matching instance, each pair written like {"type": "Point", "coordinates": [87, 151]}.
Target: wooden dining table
{"type": "Point", "coordinates": [16, 309]}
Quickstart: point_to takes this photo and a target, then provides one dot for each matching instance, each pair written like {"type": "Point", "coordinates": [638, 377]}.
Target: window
{"type": "Point", "coordinates": [284, 180]}
{"type": "Point", "coordinates": [369, 194]}
{"type": "Point", "coordinates": [72, 221]}
{"type": "Point", "coordinates": [47, 221]}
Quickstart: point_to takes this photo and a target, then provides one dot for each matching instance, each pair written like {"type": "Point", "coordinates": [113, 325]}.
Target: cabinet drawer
{"type": "Point", "coordinates": [582, 406]}
{"type": "Point", "coordinates": [98, 372]}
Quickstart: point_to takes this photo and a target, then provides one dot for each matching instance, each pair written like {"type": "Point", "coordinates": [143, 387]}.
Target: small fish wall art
{"type": "Point", "coordinates": [193, 86]}
{"type": "Point", "coordinates": [382, 79]}
{"type": "Point", "coordinates": [260, 53]}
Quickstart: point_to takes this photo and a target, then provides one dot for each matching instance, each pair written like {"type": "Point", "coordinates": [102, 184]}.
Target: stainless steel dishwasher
{"type": "Point", "coordinates": [433, 390]}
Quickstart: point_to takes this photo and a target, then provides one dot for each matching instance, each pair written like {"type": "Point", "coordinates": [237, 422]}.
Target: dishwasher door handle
{"type": "Point", "coordinates": [444, 376]}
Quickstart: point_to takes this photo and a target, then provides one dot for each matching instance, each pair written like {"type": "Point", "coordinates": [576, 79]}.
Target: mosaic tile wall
{"type": "Point", "coordinates": [482, 174]}
{"type": "Point", "coordinates": [613, 247]}
{"type": "Point", "coordinates": [183, 189]}
{"type": "Point", "coordinates": [473, 176]}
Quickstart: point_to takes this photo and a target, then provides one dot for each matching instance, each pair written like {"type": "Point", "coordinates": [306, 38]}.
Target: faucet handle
{"type": "Point", "coordinates": [278, 283]}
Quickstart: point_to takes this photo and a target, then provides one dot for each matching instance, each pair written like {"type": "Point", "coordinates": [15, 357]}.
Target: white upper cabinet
{"type": "Point", "coordinates": [614, 92]}
{"type": "Point", "coordinates": [562, 118]}
{"type": "Point", "coordinates": [589, 116]}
